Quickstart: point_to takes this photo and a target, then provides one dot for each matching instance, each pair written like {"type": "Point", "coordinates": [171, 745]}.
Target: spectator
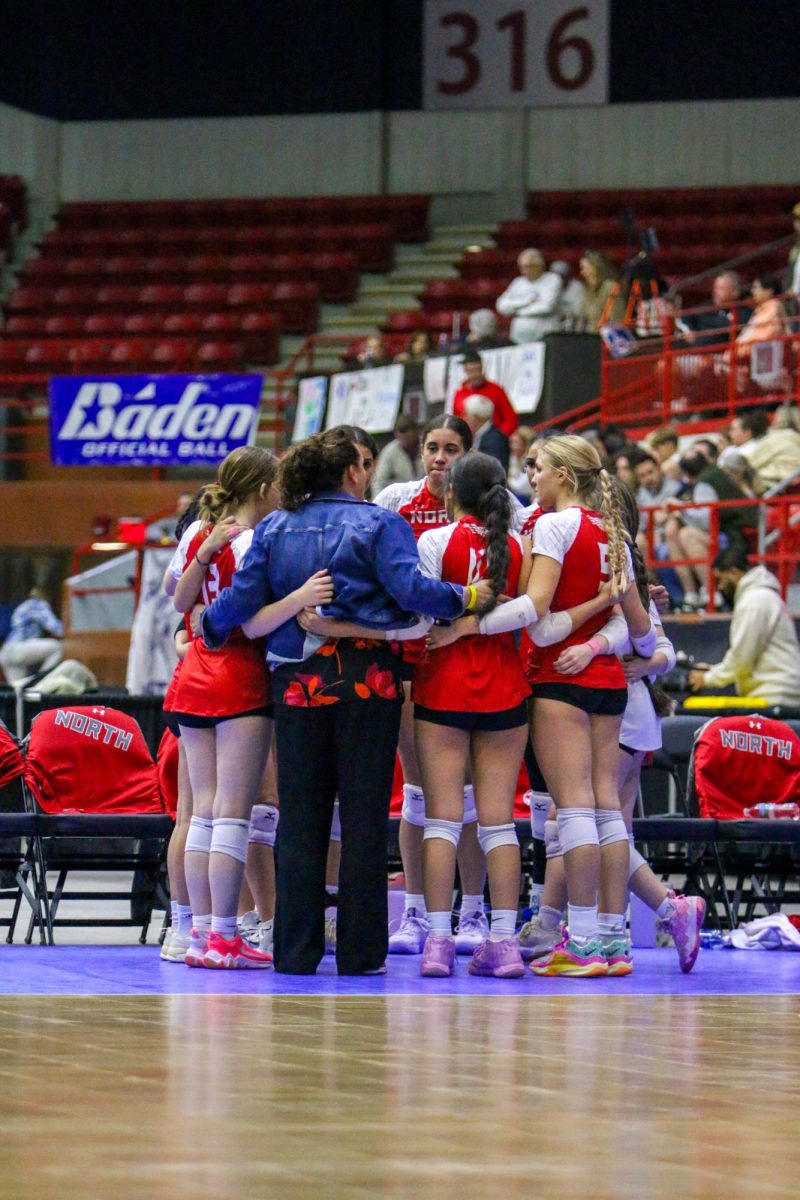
{"type": "Point", "coordinates": [793, 271]}
{"type": "Point", "coordinates": [477, 384]}
{"type": "Point", "coordinates": [482, 333]}
{"type": "Point", "coordinates": [656, 488]}
{"type": "Point", "coordinates": [767, 321]}
{"type": "Point", "coordinates": [487, 437]}
{"type": "Point", "coordinates": [763, 658]}
{"type": "Point", "coordinates": [603, 302]}
{"type": "Point", "coordinates": [773, 453]}
{"type": "Point", "coordinates": [400, 461]}
{"type": "Point", "coordinates": [663, 443]}
{"type": "Point", "coordinates": [372, 354]}
{"type": "Point", "coordinates": [623, 469]}
{"type": "Point", "coordinates": [573, 294]}
{"type": "Point", "coordinates": [33, 643]}
{"type": "Point", "coordinates": [417, 349]}
{"type": "Point", "coordinates": [518, 481]}
{"type": "Point", "coordinates": [711, 326]}
{"type": "Point", "coordinates": [531, 300]}
{"type": "Point", "coordinates": [734, 464]}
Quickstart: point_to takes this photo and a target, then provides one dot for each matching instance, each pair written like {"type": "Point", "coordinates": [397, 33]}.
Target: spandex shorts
{"type": "Point", "coordinates": [475, 722]}
{"type": "Point", "coordinates": [171, 722]}
{"type": "Point", "coordinates": [406, 670]}
{"type": "Point", "coordinates": [599, 702]}
{"type": "Point", "coordinates": [194, 722]}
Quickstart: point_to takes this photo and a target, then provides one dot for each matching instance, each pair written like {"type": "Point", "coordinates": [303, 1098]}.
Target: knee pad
{"type": "Point", "coordinates": [230, 836]}
{"type": "Point", "coordinates": [576, 827]}
{"type": "Point", "coordinates": [610, 826]}
{"type": "Point", "coordinates": [264, 824]}
{"type": "Point", "coordinates": [413, 809]}
{"type": "Point", "coordinates": [198, 839]}
{"type": "Point", "coordinates": [336, 823]}
{"type": "Point", "coordinates": [637, 860]}
{"type": "Point", "coordinates": [446, 831]}
{"type": "Point", "coordinates": [470, 811]}
{"type": "Point", "coordinates": [540, 806]}
{"type": "Point", "coordinates": [552, 842]}
{"type": "Point", "coordinates": [491, 837]}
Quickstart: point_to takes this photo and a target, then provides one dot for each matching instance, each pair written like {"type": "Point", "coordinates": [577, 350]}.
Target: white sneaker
{"type": "Point", "coordinates": [165, 944]}
{"type": "Point", "coordinates": [471, 932]}
{"type": "Point", "coordinates": [410, 935]}
{"type": "Point", "coordinates": [330, 929]}
{"type": "Point", "coordinates": [178, 946]}
{"type": "Point", "coordinates": [535, 942]}
{"type": "Point", "coordinates": [196, 951]}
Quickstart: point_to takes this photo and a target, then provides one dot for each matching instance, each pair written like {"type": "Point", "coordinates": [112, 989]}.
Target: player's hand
{"type": "Point", "coordinates": [223, 532]}
{"type": "Point", "coordinates": [316, 590]}
{"type": "Point", "coordinates": [574, 659]}
{"type": "Point", "coordinates": [634, 667]}
{"type": "Point", "coordinates": [660, 596]}
{"type": "Point", "coordinates": [194, 618]}
{"type": "Point", "coordinates": [445, 635]}
{"type": "Point", "coordinates": [484, 593]}
{"type": "Point", "coordinates": [310, 620]}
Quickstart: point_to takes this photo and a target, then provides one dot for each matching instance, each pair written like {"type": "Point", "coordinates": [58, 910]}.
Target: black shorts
{"type": "Point", "coordinates": [191, 721]}
{"type": "Point", "coordinates": [171, 722]}
{"type": "Point", "coordinates": [475, 722]}
{"type": "Point", "coordinates": [406, 670]}
{"type": "Point", "coordinates": [598, 702]}
{"type": "Point", "coordinates": [628, 750]}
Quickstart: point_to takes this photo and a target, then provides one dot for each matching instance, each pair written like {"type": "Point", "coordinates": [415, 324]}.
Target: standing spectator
{"type": "Point", "coordinates": [603, 302]}
{"type": "Point", "coordinates": [486, 436]}
{"type": "Point", "coordinates": [531, 300]}
{"type": "Point", "coordinates": [476, 383]}
{"type": "Point", "coordinates": [774, 453]}
{"type": "Point", "coordinates": [573, 294]}
{"type": "Point", "coordinates": [518, 481]}
{"type": "Point", "coordinates": [400, 461]}
{"type": "Point", "coordinates": [372, 354]}
{"type": "Point", "coordinates": [33, 643]}
{"type": "Point", "coordinates": [417, 349]}
{"type": "Point", "coordinates": [483, 333]}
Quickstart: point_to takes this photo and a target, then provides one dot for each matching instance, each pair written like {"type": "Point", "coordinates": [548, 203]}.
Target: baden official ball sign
{"type": "Point", "coordinates": [151, 420]}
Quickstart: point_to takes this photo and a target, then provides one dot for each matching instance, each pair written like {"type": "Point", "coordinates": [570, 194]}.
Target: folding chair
{"type": "Point", "coordinates": [20, 852]}
{"type": "Point", "coordinates": [93, 783]}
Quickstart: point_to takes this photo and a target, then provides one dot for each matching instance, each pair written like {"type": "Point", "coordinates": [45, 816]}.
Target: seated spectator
{"type": "Point", "coordinates": [763, 657]}
{"type": "Point", "coordinates": [33, 642]}
{"type": "Point", "coordinates": [476, 383]}
{"type": "Point", "coordinates": [734, 464]}
{"type": "Point", "coordinates": [774, 453]}
{"type": "Point", "coordinates": [767, 321]}
{"type": "Point", "coordinates": [654, 488]}
{"type": "Point", "coordinates": [603, 302]}
{"type": "Point", "coordinates": [518, 481]}
{"type": "Point", "coordinates": [793, 266]}
{"type": "Point", "coordinates": [531, 300]}
{"type": "Point", "coordinates": [486, 436]}
{"type": "Point", "coordinates": [372, 354]}
{"type": "Point", "coordinates": [622, 467]}
{"type": "Point", "coordinates": [400, 461]}
{"type": "Point", "coordinates": [712, 326]}
{"type": "Point", "coordinates": [482, 333]}
{"type": "Point", "coordinates": [573, 294]}
{"type": "Point", "coordinates": [417, 349]}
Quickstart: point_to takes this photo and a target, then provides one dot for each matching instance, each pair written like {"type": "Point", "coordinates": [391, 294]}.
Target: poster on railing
{"type": "Point", "coordinates": [369, 399]}
{"type": "Point", "coordinates": [151, 420]}
{"type": "Point", "coordinates": [312, 393]}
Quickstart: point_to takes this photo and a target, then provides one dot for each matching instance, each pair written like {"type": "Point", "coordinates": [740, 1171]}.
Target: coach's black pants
{"type": "Point", "coordinates": [346, 750]}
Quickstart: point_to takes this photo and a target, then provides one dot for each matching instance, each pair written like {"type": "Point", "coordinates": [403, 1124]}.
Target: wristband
{"type": "Point", "coordinates": [472, 597]}
{"type": "Point", "coordinates": [200, 563]}
{"type": "Point", "coordinates": [596, 646]}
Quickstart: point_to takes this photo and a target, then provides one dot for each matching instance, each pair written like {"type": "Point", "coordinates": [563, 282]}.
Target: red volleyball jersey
{"type": "Point", "coordinates": [575, 537]}
{"type": "Point", "coordinates": [528, 652]}
{"type": "Point", "coordinates": [480, 673]}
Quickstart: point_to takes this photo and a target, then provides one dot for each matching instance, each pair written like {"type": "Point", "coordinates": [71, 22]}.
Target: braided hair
{"type": "Point", "coordinates": [479, 487]}
{"type": "Point", "coordinates": [245, 470]}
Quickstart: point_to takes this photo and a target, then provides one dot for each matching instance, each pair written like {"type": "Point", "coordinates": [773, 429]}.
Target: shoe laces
{"type": "Point", "coordinates": [410, 920]}
{"type": "Point", "coordinates": [470, 922]}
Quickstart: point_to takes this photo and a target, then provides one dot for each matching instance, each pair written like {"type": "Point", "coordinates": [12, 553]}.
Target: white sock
{"type": "Point", "coordinates": [416, 902]}
{"type": "Point", "coordinates": [504, 921]}
{"type": "Point", "coordinates": [666, 909]}
{"type": "Point", "coordinates": [440, 924]}
{"type": "Point", "coordinates": [225, 926]}
{"type": "Point", "coordinates": [549, 918]}
{"type": "Point", "coordinates": [535, 898]}
{"type": "Point", "coordinates": [471, 904]}
{"type": "Point", "coordinates": [184, 919]}
{"type": "Point", "coordinates": [201, 924]}
{"type": "Point", "coordinates": [611, 925]}
{"type": "Point", "coordinates": [173, 908]}
{"type": "Point", "coordinates": [582, 922]}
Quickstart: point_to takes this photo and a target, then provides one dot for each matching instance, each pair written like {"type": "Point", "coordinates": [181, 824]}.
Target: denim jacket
{"type": "Point", "coordinates": [371, 554]}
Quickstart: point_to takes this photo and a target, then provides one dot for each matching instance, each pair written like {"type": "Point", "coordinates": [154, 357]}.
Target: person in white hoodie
{"type": "Point", "coordinates": [763, 658]}
{"type": "Point", "coordinates": [532, 299]}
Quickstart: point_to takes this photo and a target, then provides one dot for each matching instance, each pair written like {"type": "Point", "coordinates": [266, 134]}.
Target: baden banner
{"type": "Point", "coordinates": [151, 420]}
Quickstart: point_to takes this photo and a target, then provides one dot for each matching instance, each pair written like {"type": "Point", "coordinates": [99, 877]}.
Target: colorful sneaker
{"type": "Point", "coordinates": [572, 958]}
{"type": "Point", "coordinates": [618, 956]}
{"type": "Point", "coordinates": [438, 957]}
{"type": "Point", "coordinates": [229, 954]}
{"type": "Point", "coordinates": [501, 959]}
{"type": "Point", "coordinates": [330, 930]}
{"type": "Point", "coordinates": [178, 948]}
{"type": "Point", "coordinates": [164, 953]}
{"type": "Point", "coordinates": [259, 936]}
{"type": "Point", "coordinates": [195, 955]}
{"type": "Point", "coordinates": [471, 932]}
{"type": "Point", "coordinates": [685, 926]}
{"type": "Point", "coordinates": [535, 942]}
{"type": "Point", "coordinates": [410, 935]}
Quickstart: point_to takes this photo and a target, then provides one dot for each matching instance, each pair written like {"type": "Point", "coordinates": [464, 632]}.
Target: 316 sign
{"type": "Point", "coordinates": [536, 53]}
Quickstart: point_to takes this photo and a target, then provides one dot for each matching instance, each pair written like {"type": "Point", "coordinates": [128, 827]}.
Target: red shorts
{"type": "Point", "coordinates": [222, 683]}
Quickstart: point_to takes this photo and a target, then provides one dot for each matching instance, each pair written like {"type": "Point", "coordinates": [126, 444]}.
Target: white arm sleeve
{"type": "Point", "coordinates": [509, 616]}
{"type": "Point", "coordinates": [664, 646]}
{"type": "Point", "coordinates": [615, 631]}
{"type": "Point", "coordinates": [646, 644]}
{"type": "Point", "coordinates": [413, 631]}
{"type": "Point", "coordinates": [551, 628]}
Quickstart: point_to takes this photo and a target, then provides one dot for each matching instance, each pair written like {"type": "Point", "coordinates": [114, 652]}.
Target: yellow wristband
{"type": "Point", "coordinates": [472, 597]}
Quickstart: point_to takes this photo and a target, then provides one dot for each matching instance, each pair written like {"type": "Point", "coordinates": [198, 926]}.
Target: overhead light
{"type": "Point", "coordinates": [111, 545]}
{"type": "Point", "coordinates": [472, 249]}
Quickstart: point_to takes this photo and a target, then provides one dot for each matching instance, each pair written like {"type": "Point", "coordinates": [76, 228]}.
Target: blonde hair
{"type": "Point", "coordinates": [245, 471]}
{"type": "Point", "coordinates": [592, 484]}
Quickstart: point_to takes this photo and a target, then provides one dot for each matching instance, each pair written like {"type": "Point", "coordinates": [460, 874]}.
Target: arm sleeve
{"type": "Point", "coordinates": [664, 646]}
{"type": "Point", "coordinates": [397, 567]}
{"type": "Point", "coordinates": [646, 644]}
{"type": "Point", "coordinates": [551, 628]}
{"type": "Point", "coordinates": [509, 616]}
{"type": "Point", "coordinates": [248, 593]}
{"type": "Point", "coordinates": [615, 631]}
{"type": "Point", "coordinates": [411, 632]}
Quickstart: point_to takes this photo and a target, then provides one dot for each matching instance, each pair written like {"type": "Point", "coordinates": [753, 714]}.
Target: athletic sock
{"type": "Point", "coordinates": [417, 903]}
{"type": "Point", "coordinates": [201, 924]}
{"type": "Point", "coordinates": [173, 909]}
{"type": "Point", "coordinates": [549, 918]}
{"type": "Point", "coordinates": [582, 923]}
{"type": "Point", "coordinates": [504, 921]}
{"type": "Point", "coordinates": [224, 926]}
{"type": "Point", "coordinates": [611, 926]}
{"type": "Point", "coordinates": [440, 924]}
{"type": "Point", "coordinates": [184, 919]}
{"type": "Point", "coordinates": [666, 909]}
{"type": "Point", "coordinates": [471, 904]}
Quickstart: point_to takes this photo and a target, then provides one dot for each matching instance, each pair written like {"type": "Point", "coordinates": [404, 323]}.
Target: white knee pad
{"type": "Point", "coordinates": [637, 860]}
{"type": "Point", "coordinates": [552, 842]}
{"type": "Point", "coordinates": [540, 806]}
{"type": "Point", "coordinates": [198, 839]}
{"type": "Point", "coordinates": [470, 811]}
{"type": "Point", "coordinates": [610, 826]}
{"type": "Point", "coordinates": [576, 828]}
{"type": "Point", "coordinates": [264, 824]}
{"type": "Point", "coordinates": [493, 836]}
{"type": "Point", "coordinates": [413, 809]}
{"type": "Point", "coordinates": [446, 831]}
{"type": "Point", "coordinates": [230, 836]}
{"type": "Point", "coordinates": [336, 823]}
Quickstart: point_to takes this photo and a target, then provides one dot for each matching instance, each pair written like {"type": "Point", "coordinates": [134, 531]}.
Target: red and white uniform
{"type": "Point", "coordinates": [232, 680]}
{"type": "Point", "coordinates": [480, 673]}
{"type": "Point", "coordinates": [575, 537]}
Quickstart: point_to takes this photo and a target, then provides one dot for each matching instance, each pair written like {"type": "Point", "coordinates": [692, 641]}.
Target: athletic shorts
{"type": "Point", "coordinates": [407, 670]}
{"type": "Point", "coordinates": [599, 702]}
{"type": "Point", "coordinates": [192, 721]}
{"type": "Point", "coordinates": [171, 722]}
{"type": "Point", "coordinates": [475, 722]}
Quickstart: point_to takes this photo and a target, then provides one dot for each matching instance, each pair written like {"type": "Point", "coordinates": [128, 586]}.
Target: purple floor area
{"type": "Point", "coordinates": [138, 970]}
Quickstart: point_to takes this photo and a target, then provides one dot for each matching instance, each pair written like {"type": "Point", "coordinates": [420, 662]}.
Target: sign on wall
{"type": "Point", "coordinates": [312, 392]}
{"type": "Point", "coordinates": [530, 54]}
{"type": "Point", "coordinates": [151, 420]}
{"type": "Point", "coordinates": [369, 399]}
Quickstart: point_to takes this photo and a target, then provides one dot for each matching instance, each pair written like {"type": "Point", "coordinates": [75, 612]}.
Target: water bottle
{"type": "Point", "coordinates": [774, 812]}
{"type": "Point", "coordinates": [711, 939]}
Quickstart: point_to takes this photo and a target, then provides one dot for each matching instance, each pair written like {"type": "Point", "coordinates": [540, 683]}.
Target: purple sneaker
{"type": "Point", "coordinates": [438, 957]}
{"type": "Point", "coordinates": [501, 959]}
{"type": "Point", "coordinates": [685, 925]}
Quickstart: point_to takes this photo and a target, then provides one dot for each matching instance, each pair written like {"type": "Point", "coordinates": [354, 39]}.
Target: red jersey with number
{"type": "Point", "coordinates": [481, 673]}
{"type": "Point", "coordinates": [235, 679]}
{"type": "Point", "coordinates": [575, 538]}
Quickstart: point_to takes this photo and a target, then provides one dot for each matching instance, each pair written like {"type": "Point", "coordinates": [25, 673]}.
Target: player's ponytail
{"type": "Point", "coordinates": [244, 472]}
{"type": "Point", "coordinates": [615, 531]}
{"type": "Point", "coordinates": [316, 465]}
{"type": "Point", "coordinates": [479, 488]}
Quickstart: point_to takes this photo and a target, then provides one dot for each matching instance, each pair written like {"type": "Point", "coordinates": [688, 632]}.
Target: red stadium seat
{"type": "Point", "coordinates": [130, 352]}
{"type": "Point", "coordinates": [64, 326]}
{"type": "Point", "coordinates": [220, 356]}
{"type": "Point", "coordinates": [174, 355]}
{"type": "Point", "coordinates": [205, 295]}
{"type": "Point", "coordinates": [117, 297]}
{"type": "Point", "coordinates": [28, 300]}
{"type": "Point", "coordinates": [107, 323]}
{"type": "Point", "coordinates": [182, 322]}
{"type": "Point", "coordinates": [25, 326]}
{"type": "Point", "coordinates": [161, 295]}
{"type": "Point", "coordinates": [146, 322]}
{"type": "Point", "coordinates": [88, 354]}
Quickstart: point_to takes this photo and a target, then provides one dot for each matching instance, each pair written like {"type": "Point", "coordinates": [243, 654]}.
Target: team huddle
{"type": "Point", "coordinates": [445, 623]}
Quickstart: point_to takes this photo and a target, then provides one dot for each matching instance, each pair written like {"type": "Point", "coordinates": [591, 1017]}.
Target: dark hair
{"type": "Point", "coordinates": [734, 559]}
{"type": "Point", "coordinates": [316, 465]}
{"type": "Point", "coordinates": [639, 456]}
{"type": "Point", "coordinates": [406, 424]}
{"type": "Point", "coordinates": [245, 471]}
{"type": "Point", "coordinates": [770, 281]}
{"type": "Point", "coordinates": [630, 519]}
{"type": "Point", "coordinates": [712, 446]}
{"type": "Point", "coordinates": [472, 356]}
{"type": "Point", "coordinates": [190, 514]}
{"type": "Point", "coordinates": [693, 465]}
{"type": "Point", "coordinates": [363, 439]}
{"type": "Point", "coordinates": [755, 420]}
{"type": "Point", "coordinates": [456, 424]}
{"type": "Point", "coordinates": [479, 485]}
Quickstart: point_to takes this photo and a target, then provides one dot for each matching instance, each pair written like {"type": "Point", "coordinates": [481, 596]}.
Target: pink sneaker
{"type": "Point", "coordinates": [234, 953]}
{"type": "Point", "coordinates": [438, 957]}
{"type": "Point", "coordinates": [195, 955]}
{"type": "Point", "coordinates": [685, 926]}
{"type": "Point", "coordinates": [501, 959]}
